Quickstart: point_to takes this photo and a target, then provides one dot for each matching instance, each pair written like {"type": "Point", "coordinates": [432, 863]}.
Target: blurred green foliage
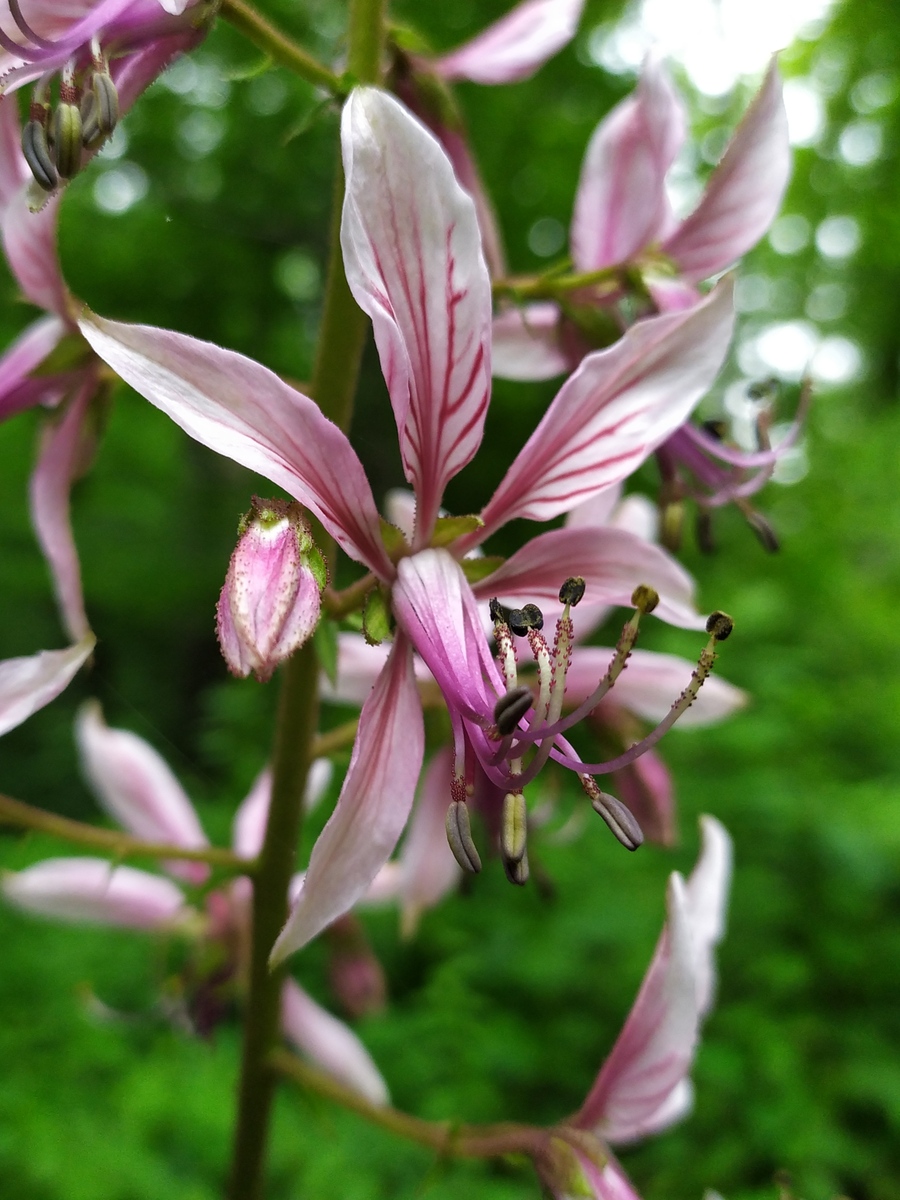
{"type": "Point", "coordinates": [505, 1003]}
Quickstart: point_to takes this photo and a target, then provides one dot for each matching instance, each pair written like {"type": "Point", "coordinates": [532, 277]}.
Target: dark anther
{"type": "Point", "coordinates": [459, 835]}
{"type": "Point", "coordinates": [520, 620]}
{"type": "Point", "coordinates": [572, 590]}
{"type": "Point", "coordinates": [764, 531]}
{"type": "Point", "coordinates": [644, 598]}
{"type": "Point", "coordinates": [619, 819]}
{"type": "Point", "coordinates": [720, 626]}
{"type": "Point", "coordinates": [497, 611]}
{"type": "Point", "coordinates": [511, 708]}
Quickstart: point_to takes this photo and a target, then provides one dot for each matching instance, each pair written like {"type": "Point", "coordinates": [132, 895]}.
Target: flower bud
{"type": "Point", "coordinates": [270, 603]}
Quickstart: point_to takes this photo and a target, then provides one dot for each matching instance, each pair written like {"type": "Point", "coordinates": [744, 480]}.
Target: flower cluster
{"type": "Point", "coordinates": [492, 643]}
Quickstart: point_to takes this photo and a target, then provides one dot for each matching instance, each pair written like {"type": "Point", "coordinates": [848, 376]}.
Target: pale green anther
{"type": "Point", "coordinates": [37, 155]}
{"type": "Point", "coordinates": [67, 143]}
{"type": "Point", "coordinates": [515, 827]}
{"type": "Point", "coordinates": [107, 102]}
{"type": "Point", "coordinates": [91, 136]}
{"type": "Point", "coordinates": [459, 835]}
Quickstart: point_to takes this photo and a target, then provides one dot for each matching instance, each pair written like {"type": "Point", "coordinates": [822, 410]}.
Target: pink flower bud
{"type": "Point", "coordinates": [269, 605]}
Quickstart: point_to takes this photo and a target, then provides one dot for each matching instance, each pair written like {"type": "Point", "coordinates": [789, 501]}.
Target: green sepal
{"type": "Point", "coordinates": [376, 617]}
{"type": "Point", "coordinates": [476, 569]}
{"type": "Point", "coordinates": [325, 640]}
{"type": "Point", "coordinates": [395, 542]}
{"type": "Point", "coordinates": [312, 558]}
{"type": "Point", "coordinates": [448, 529]}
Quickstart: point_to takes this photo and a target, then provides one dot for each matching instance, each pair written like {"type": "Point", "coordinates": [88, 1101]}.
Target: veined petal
{"type": "Point", "coordinates": [650, 684]}
{"type": "Point", "coordinates": [93, 891]}
{"type": "Point", "coordinates": [244, 411]}
{"type": "Point", "coordinates": [616, 409]}
{"type": "Point", "coordinates": [744, 192]}
{"type": "Point", "coordinates": [27, 352]}
{"type": "Point", "coordinates": [428, 869]}
{"type": "Point", "coordinates": [527, 343]}
{"type": "Point", "coordinates": [612, 563]}
{"type": "Point", "coordinates": [412, 253]}
{"type": "Point", "coordinates": [517, 45]}
{"type": "Point", "coordinates": [655, 1049]}
{"type": "Point", "coordinates": [372, 808]}
{"type": "Point", "coordinates": [329, 1043]}
{"type": "Point", "coordinates": [27, 684]}
{"type": "Point", "coordinates": [643, 1086]}
{"type": "Point", "coordinates": [135, 785]}
{"type": "Point", "coordinates": [66, 445]}
{"type": "Point", "coordinates": [621, 205]}
{"type": "Point", "coordinates": [435, 605]}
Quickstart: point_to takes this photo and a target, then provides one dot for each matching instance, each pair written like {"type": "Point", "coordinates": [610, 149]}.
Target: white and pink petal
{"type": "Point", "coordinates": [27, 684]}
{"type": "Point", "coordinates": [615, 410]}
{"type": "Point", "coordinates": [242, 410]}
{"type": "Point", "coordinates": [372, 808]}
{"type": "Point", "coordinates": [514, 47]}
{"type": "Point", "coordinates": [412, 253]}
{"type": "Point", "coordinates": [329, 1044]}
{"type": "Point", "coordinates": [93, 891]}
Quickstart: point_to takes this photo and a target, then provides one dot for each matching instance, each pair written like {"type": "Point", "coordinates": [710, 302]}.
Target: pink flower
{"type": "Point", "coordinates": [412, 255]}
{"type": "Point", "coordinates": [137, 788]}
{"type": "Point", "coordinates": [622, 217]}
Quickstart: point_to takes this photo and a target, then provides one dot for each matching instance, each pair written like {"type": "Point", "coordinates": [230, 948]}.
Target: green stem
{"type": "Point", "coordinates": [280, 48]}
{"type": "Point", "coordinates": [297, 720]}
{"type": "Point", "coordinates": [338, 356]}
{"type": "Point", "coordinates": [119, 845]}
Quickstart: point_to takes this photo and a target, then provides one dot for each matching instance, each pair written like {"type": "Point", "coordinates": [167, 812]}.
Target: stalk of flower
{"type": "Point", "coordinates": [623, 229]}
{"type": "Point", "coordinates": [413, 261]}
{"type": "Point", "coordinates": [136, 787]}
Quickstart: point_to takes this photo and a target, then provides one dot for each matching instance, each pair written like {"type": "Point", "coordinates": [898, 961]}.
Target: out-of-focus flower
{"type": "Point", "coordinates": [412, 255]}
{"type": "Point", "coordinates": [623, 222]}
{"type": "Point", "coordinates": [27, 684]}
{"type": "Point", "coordinates": [138, 790]}
{"type": "Point", "coordinates": [271, 599]}
{"type": "Point", "coordinates": [644, 1085]}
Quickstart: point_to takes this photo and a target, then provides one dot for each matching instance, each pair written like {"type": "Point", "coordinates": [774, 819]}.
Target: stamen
{"type": "Point", "coordinates": [36, 149]}
{"type": "Point", "coordinates": [517, 872]}
{"type": "Point", "coordinates": [618, 817]}
{"type": "Point", "coordinates": [67, 126]}
{"type": "Point", "coordinates": [511, 708]}
{"type": "Point", "coordinates": [719, 627]}
{"type": "Point", "coordinates": [572, 591]}
{"type": "Point", "coordinates": [459, 835]}
{"type": "Point", "coordinates": [645, 599]}
{"type": "Point", "coordinates": [520, 620]}
{"type": "Point", "coordinates": [514, 830]}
